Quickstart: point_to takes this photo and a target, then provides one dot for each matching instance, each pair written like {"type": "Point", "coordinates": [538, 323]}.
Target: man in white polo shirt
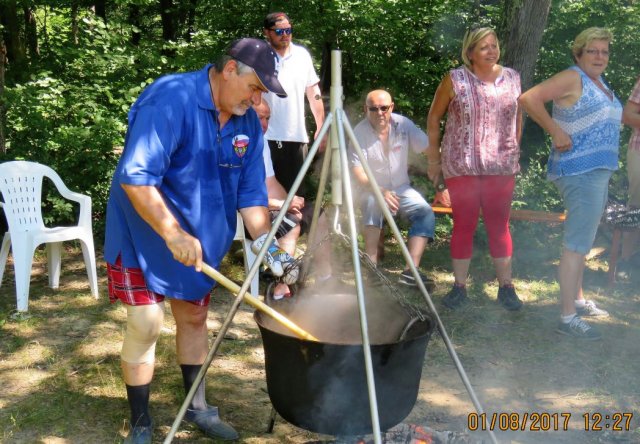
{"type": "Point", "coordinates": [287, 133]}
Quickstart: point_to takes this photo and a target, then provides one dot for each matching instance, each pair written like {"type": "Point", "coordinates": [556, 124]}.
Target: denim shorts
{"type": "Point", "coordinates": [412, 207]}
{"type": "Point", "coordinates": [585, 197]}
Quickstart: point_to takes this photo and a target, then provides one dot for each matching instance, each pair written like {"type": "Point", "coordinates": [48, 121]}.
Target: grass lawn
{"type": "Point", "coordinates": [60, 375]}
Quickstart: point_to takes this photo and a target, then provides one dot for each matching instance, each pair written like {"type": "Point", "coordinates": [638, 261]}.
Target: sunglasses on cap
{"type": "Point", "coordinates": [375, 109]}
{"type": "Point", "coordinates": [282, 31]}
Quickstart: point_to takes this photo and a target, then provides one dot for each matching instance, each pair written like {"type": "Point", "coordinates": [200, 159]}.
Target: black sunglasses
{"type": "Point", "coordinates": [375, 109]}
{"type": "Point", "coordinates": [282, 31]}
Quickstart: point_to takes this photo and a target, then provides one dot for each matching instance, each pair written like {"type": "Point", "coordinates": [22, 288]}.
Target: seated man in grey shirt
{"type": "Point", "coordinates": [385, 139]}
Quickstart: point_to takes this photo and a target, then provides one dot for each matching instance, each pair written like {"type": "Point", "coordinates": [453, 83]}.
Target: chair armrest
{"type": "Point", "coordinates": [84, 200]}
{"type": "Point", "coordinates": [77, 197]}
{"type": "Point", "coordinates": [84, 218]}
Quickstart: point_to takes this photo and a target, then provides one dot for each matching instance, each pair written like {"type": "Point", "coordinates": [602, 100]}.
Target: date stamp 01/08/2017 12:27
{"type": "Point", "coordinates": [548, 422]}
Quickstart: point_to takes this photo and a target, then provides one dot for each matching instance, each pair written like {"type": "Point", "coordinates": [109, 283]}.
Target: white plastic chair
{"type": "Point", "coordinates": [21, 187]}
{"type": "Point", "coordinates": [249, 257]}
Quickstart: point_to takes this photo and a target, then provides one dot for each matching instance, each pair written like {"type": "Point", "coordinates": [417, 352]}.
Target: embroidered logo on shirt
{"type": "Point", "coordinates": [240, 144]}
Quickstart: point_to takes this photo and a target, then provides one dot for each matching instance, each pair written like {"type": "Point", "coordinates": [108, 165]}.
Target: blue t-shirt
{"type": "Point", "coordinates": [204, 173]}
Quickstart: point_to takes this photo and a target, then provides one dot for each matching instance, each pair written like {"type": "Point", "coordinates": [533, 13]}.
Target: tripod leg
{"type": "Point", "coordinates": [272, 420]}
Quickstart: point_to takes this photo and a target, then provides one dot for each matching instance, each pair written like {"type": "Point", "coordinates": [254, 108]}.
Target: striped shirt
{"type": "Point", "coordinates": [593, 123]}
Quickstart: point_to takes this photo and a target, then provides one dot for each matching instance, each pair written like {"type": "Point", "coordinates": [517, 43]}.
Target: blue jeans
{"type": "Point", "coordinates": [412, 207]}
{"type": "Point", "coordinates": [585, 197]}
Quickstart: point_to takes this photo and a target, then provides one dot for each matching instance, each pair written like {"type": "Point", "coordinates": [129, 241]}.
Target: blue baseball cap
{"type": "Point", "coordinates": [259, 55]}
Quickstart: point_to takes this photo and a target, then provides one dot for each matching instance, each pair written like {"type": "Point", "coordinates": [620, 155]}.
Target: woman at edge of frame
{"type": "Point", "coordinates": [585, 132]}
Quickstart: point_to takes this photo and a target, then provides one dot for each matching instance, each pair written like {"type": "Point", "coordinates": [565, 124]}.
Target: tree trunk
{"type": "Point", "coordinates": [168, 25]}
{"type": "Point", "coordinates": [44, 35]}
{"type": "Point", "coordinates": [74, 22]}
{"type": "Point", "coordinates": [134, 20]}
{"type": "Point", "coordinates": [3, 52]}
{"type": "Point", "coordinates": [100, 8]}
{"type": "Point", "coordinates": [191, 20]}
{"type": "Point", "coordinates": [521, 29]}
{"type": "Point", "coordinates": [31, 33]}
{"type": "Point", "coordinates": [325, 68]}
{"type": "Point", "coordinates": [15, 50]}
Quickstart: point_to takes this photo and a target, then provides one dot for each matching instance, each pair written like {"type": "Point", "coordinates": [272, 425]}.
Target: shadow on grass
{"type": "Point", "coordinates": [60, 374]}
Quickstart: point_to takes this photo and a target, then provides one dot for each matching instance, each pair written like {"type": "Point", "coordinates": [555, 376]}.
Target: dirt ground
{"type": "Point", "coordinates": [59, 367]}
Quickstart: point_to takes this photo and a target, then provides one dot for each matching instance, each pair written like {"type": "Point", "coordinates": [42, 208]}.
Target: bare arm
{"type": "Point", "coordinates": [317, 109]}
{"type": "Point", "coordinates": [631, 114]}
{"type": "Point", "coordinates": [277, 195]}
{"type": "Point", "coordinates": [276, 192]}
{"type": "Point", "coordinates": [148, 202]}
{"type": "Point", "coordinates": [519, 124]}
{"type": "Point", "coordinates": [360, 175]}
{"type": "Point", "coordinates": [256, 220]}
{"type": "Point", "coordinates": [443, 96]}
{"type": "Point", "coordinates": [564, 88]}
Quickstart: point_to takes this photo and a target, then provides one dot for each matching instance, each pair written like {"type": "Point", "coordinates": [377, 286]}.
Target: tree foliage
{"type": "Point", "coordinates": [76, 66]}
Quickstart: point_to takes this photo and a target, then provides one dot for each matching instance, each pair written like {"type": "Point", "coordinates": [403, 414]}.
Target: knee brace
{"type": "Point", "coordinates": [144, 323]}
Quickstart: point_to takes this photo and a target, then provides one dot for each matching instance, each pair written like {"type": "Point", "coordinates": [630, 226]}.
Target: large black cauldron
{"type": "Point", "coordinates": [321, 386]}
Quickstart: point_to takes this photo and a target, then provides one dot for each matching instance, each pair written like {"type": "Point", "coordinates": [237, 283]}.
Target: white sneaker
{"type": "Point", "coordinates": [590, 309]}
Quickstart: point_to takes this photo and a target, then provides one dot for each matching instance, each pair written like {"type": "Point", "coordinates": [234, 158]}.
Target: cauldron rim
{"type": "Point", "coordinates": [258, 317]}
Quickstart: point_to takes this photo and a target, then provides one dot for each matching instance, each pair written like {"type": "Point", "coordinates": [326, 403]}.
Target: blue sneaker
{"type": "Point", "coordinates": [210, 423]}
{"type": "Point", "coordinates": [139, 435]}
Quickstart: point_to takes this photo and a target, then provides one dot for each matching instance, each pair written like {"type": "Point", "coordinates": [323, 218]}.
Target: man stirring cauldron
{"type": "Point", "coordinates": [192, 158]}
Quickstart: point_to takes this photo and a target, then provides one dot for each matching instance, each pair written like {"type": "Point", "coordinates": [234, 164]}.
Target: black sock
{"type": "Point", "coordinates": [189, 373]}
{"type": "Point", "coordinates": [138, 397]}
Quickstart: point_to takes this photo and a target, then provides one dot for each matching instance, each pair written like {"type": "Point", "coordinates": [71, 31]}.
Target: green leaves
{"type": "Point", "coordinates": [71, 110]}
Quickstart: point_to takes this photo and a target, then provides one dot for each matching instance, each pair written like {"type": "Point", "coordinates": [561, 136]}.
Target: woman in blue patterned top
{"type": "Point", "coordinates": [585, 133]}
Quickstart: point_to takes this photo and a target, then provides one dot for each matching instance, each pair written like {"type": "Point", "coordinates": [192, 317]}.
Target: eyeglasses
{"type": "Point", "coordinates": [375, 109]}
{"type": "Point", "coordinates": [282, 31]}
{"type": "Point", "coordinates": [602, 52]}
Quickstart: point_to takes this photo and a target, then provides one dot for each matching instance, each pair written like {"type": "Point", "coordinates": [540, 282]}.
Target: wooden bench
{"type": "Point", "coordinates": [556, 218]}
{"type": "Point", "coordinates": [526, 215]}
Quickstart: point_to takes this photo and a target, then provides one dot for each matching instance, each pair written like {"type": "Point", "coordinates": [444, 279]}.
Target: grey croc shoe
{"type": "Point", "coordinates": [210, 423]}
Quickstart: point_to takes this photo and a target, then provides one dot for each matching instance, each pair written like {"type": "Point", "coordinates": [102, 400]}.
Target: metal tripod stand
{"type": "Point", "coordinates": [336, 158]}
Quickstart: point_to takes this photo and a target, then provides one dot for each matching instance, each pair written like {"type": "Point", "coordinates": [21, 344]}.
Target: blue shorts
{"type": "Point", "coordinates": [412, 206]}
{"type": "Point", "coordinates": [585, 197]}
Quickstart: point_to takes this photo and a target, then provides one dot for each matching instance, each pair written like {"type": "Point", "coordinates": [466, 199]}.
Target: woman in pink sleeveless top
{"type": "Point", "coordinates": [478, 157]}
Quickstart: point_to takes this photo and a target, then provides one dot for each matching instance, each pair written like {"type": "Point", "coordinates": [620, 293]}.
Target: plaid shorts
{"type": "Point", "coordinates": [128, 286]}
